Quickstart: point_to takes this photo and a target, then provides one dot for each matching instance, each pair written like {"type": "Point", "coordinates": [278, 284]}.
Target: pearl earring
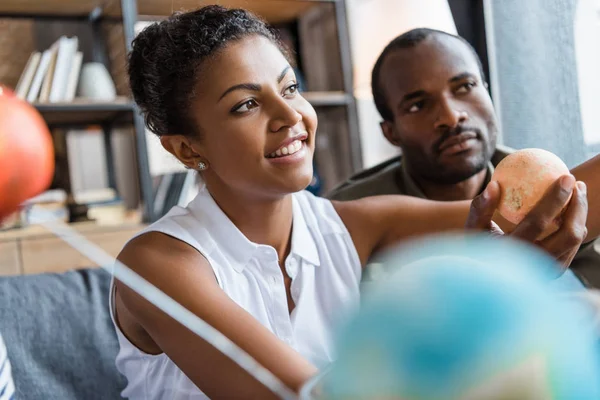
{"type": "Point", "coordinates": [201, 166]}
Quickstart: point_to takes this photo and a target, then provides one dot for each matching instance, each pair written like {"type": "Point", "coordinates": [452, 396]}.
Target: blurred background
{"type": "Point", "coordinates": [68, 58]}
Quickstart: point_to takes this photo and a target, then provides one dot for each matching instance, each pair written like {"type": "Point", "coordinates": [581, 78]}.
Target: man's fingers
{"type": "Point", "coordinates": [542, 216]}
{"type": "Point", "coordinates": [572, 231]}
{"type": "Point", "coordinates": [483, 207]}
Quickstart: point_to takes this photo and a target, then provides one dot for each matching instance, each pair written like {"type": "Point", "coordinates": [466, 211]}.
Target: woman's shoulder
{"type": "Point", "coordinates": [151, 240]}
{"type": "Point", "coordinates": [175, 240]}
{"type": "Point", "coordinates": [178, 228]}
{"type": "Point", "coordinates": [155, 249]}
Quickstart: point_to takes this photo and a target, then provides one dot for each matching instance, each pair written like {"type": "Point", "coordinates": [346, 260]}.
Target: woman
{"type": "Point", "coordinates": [263, 261]}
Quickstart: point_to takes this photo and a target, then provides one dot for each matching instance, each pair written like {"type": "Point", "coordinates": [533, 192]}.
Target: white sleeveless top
{"type": "Point", "coordinates": [323, 264]}
{"type": "Point", "coordinates": [7, 386]}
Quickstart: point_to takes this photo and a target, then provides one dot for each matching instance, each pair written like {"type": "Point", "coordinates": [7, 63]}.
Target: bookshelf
{"type": "Point", "coordinates": [321, 44]}
{"type": "Point", "coordinates": [274, 11]}
{"type": "Point", "coordinates": [84, 112]}
{"type": "Point", "coordinates": [81, 112]}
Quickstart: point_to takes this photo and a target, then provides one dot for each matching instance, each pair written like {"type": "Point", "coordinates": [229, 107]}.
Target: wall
{"type": "Point", "coordinates": [536, 89]}
{"type": "Point", "coordinates": [17, 41]}
{"type": "Point", "coordinates": [373, 24]}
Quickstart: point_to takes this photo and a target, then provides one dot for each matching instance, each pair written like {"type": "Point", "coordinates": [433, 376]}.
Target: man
{"type": "Point", "coordinates": [7, 388]}
{"type": "Point", "coordinates": [429, 87]}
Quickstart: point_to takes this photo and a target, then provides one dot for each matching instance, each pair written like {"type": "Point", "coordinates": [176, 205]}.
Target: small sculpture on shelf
{"type": "Point", "coordinates": [96, 83]}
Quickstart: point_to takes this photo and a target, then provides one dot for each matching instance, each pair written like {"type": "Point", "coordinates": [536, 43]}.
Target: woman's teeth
{"type": "Point", "coordinates": [290, 149]}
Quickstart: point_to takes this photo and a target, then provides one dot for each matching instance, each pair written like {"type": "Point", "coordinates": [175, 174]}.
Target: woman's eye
{"type": "Point", "coordinates": [291, 90]}
{"type": "Point", "coordinates": [245, 106]}
{"type": "Point", "coordinates": [465, 88]}
{"type": "Point", "coordinates": [415, 107]}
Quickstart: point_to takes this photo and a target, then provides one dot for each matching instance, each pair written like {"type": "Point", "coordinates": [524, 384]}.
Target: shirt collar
{"type": "Point", "coordinates": [303, 243]}
{"type": "Point", "coordinates": [229, 239]}
{"type": "Point", "coordinates": [223, 233]}
{"type": "Point", "coordinates": [410, 187]}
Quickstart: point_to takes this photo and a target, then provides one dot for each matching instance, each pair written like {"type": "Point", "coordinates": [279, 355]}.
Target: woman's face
{"type": "Point", "coordinates": [257, 131]}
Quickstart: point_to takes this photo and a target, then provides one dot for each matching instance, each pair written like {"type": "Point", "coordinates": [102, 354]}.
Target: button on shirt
{"type": "Point", "coordinates": [323, 265]}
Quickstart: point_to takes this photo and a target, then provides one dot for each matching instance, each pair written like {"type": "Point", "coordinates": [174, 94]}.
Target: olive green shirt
{"type": "Point", "coordinates": [390, 177]}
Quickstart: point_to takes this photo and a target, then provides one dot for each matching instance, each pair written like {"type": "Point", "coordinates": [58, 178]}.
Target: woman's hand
{"type": "Point", "coordinates": [564, 243]}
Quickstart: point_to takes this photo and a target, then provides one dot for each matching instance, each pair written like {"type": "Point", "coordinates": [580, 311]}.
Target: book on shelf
{"type": "Point", "coordinates": [27, 75]}
{"type": "Point", "coordinates": [52, 75]}
{"type": "Point", "coordinates": [48, 76]}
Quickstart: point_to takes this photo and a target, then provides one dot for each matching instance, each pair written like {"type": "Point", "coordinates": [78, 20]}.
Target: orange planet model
{"type": "Point", "coordinates": [26, 152]}
{"type": "Point", "coordinates": [524, 176]}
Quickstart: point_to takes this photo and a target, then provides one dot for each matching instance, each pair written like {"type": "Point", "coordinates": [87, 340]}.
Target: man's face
{"type": "Point", "coordinates": [444, 119]}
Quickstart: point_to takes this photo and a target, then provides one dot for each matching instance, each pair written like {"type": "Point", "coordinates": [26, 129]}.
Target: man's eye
{"type": "Point", "coordinates": [415, 107]}
{"type": "Point", "coordinates": [465, 88]}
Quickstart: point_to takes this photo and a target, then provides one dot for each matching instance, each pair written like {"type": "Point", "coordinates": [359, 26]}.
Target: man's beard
{"type": "Point", "coordinates": [449, 176]}
{"type": "Point", "coordinates": [431, 169]}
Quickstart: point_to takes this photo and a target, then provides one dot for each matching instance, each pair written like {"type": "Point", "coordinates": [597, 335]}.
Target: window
{"type": "Point", "coordinates": [587, 51]}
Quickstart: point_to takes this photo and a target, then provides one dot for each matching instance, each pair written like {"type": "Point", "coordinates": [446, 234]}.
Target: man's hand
{"type": "Point", "coordinates": [564, 243]}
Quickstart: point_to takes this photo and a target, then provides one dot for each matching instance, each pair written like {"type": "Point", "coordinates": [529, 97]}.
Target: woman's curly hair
{"type": "Point", "coordinates": [166, 57]}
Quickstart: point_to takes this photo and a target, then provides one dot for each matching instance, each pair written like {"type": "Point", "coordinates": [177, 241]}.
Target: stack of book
{"type": "Point", "coordinates": [51, 76]}
{"type": "Point", "coordinates": [104, 206]}
{"type": "Point", "coordinates": [51, 203]}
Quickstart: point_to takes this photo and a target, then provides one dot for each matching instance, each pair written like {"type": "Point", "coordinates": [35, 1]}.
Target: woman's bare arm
{"type": "Point", "coordinates": [185, 275]}
{"type": "Point", "coordinates": [378, 222]}
{"type": "Point", "coordinates": [382, 221]}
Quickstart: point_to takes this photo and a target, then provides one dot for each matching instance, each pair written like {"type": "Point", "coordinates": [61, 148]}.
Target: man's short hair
{"type": "Point", "coordinates": [407, 40]}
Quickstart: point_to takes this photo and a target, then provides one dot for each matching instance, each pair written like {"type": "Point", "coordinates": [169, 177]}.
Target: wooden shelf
{"type": "Point", "coordinates": [85, 112]}
{"type": "Point", "coordinates": [327, 99]}
{"type": "Point", "coordinates": [70, 8]}
{"type": "Point", "coordinates": [274, 11]}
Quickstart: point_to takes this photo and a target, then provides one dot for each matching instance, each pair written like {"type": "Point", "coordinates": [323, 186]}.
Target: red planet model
{"type": "Point", "coordinates": [26, 152]}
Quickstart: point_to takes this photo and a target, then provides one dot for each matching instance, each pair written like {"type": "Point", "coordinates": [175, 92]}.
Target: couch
{"type": "Point", "coordinates": [59, 335]}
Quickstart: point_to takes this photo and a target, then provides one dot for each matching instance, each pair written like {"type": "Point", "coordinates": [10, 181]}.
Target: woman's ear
{"type": "Point", "coordinates": [183, 148]}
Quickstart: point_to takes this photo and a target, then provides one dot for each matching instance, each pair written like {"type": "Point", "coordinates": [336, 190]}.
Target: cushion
{"type": "Point", "coordinates": [59, 336]}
